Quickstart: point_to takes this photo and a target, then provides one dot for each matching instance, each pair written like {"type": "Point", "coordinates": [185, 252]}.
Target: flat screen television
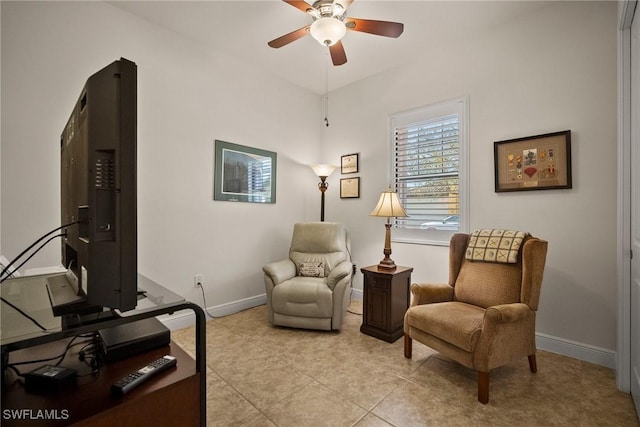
{"type": "Point", "coordinates": [98, 196]}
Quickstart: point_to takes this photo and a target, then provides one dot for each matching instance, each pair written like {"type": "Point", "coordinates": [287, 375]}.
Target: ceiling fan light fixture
{"type": "Point", "coordinates": [328, 30]}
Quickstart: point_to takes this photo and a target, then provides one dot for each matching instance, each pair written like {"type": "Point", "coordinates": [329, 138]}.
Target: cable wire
{"type": "Point", "coordinates": [19, 310]}
{"type": "Point", "coordinates": [204, 301]}
{"type": "Point", "coordinates": [32, 255]}
{"type": "Point", "coordinates": [8, 266]}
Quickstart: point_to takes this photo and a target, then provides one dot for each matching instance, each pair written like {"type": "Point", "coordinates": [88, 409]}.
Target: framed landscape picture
{"type": "Point", "coordinates": [244, 174]}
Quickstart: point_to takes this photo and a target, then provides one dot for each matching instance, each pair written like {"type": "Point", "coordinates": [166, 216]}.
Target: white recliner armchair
{"type": "Point", "coordinates": [311, 288]}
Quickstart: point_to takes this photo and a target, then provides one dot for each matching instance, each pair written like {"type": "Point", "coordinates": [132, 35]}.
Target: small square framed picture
{"type": "Point", "coordinates": [349, 163]}
{"type": "Point", "coordinates": [350, 188]}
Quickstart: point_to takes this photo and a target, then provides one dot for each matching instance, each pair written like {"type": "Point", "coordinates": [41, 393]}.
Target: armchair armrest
{"type": "Point", "coordinates": [507, 313]}
{"type": "Point", "coordinates": [280, 271]}
{"type": "Point", "coordinates": [341, 271]}
{"type": "Point", "coordinates": [429, 293]}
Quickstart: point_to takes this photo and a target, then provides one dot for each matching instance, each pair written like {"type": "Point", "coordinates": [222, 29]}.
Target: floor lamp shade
{"type": "Point", "coordinates": [388, 206]}
{"type": "Point", "coordinates": [323, 170]}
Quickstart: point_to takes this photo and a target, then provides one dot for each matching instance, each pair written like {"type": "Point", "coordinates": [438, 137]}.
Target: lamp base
{"type": "Point", "coordinates": [387, 264]}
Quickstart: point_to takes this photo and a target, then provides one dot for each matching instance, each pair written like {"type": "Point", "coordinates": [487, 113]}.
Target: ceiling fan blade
{"type": "Point", "coordinates": [299, 4]}
{"type": "Point", "coordinates": [338, 55]}
{"type": "Point", "coordinates": [288, 38]}
{"type": "Point", "coordinates": [379, 28]}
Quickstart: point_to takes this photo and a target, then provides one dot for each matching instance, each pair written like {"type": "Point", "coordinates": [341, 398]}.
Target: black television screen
{"type": "Point", "coordinates": [98, 191]}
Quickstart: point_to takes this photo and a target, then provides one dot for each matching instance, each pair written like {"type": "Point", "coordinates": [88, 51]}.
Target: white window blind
{"type": "Point", "coordinates": [428, 147]}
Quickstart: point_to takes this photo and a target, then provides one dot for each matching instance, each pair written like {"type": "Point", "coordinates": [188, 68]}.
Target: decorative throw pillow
{"type": "Point", "coordinates": [311, 269]}
{"type": "Point", "coordinates": [495, 245]}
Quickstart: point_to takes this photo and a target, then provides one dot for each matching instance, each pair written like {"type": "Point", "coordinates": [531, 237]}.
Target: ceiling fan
{"type": "Point", "coordinates": [330, 24]}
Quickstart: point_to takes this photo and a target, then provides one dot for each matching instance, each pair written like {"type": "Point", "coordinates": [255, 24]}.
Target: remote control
{"type": "Point", "coordinates": [134, 379]}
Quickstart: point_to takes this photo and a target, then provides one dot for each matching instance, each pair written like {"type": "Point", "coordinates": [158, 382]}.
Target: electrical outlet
{"type": "Point", "coordinates": [198, 280]}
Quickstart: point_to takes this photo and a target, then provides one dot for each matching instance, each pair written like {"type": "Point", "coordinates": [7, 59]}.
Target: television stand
{"type": "Point", "coordinates": [184, 389]}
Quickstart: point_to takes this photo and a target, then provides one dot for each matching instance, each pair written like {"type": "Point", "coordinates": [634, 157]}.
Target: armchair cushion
{"type": "Point", "coordinates": [303, 296]}
{"type": "Point", "coordinates": [457, 323]}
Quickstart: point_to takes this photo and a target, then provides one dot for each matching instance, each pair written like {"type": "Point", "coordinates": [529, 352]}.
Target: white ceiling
{"type": "Point", "coordinates": [243, 28]}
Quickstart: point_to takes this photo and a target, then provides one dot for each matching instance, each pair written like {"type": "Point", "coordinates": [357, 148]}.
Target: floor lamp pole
{"type": "Point", "coordinates": [323, 185]}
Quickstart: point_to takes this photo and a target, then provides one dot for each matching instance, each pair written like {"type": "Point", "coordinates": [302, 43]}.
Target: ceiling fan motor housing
{"type": "Point", "coordinates": [327, 8]}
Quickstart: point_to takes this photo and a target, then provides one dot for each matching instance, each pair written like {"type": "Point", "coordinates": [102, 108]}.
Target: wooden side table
{"type": "Point", "coordinates": [386, 299]}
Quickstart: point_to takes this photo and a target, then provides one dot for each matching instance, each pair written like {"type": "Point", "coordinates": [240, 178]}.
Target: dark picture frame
{"type": "Point", "coordinates": [349, 163]}
{"type": "Point", "coordinates": [350, 188]}
{"type": "Point", "coordinates": [540, 162]}
{"type": "Point", "coordinates": [244, 174]}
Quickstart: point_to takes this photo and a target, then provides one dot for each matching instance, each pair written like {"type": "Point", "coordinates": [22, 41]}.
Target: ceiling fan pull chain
{"type": "Point", "coordinates": [326, 92]}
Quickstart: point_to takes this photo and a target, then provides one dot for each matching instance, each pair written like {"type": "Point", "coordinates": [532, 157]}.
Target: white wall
{"type": "Point", "coordinates": [187, 97]}
{"type": "Point", "coordinates": [548, 71]}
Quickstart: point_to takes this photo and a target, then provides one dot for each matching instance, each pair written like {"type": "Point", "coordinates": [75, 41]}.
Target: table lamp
{"type": "Point", "coordinates": [388, 206]}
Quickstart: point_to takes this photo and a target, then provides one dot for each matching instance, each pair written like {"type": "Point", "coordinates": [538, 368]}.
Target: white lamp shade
{"type": "Point", "coordinates": [328, 30]}
{"type": "Point", "coordinates": [323, 169]}
{"type": "Point", "coordinates": [389, 205]}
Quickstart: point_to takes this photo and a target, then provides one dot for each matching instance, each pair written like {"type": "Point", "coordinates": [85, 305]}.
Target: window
{"type": "Point", "coordinates": [429, 171]}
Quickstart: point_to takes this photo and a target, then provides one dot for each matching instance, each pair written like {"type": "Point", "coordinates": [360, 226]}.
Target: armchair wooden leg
{"type": "Point", "coordinates": [408, 346]}
{"type": "Point", "coordinates": [532, 363]}
{"type": "Point", "coordinates": [483, 387]}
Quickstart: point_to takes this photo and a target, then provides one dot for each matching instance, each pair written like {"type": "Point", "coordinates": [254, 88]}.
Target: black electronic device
{"type": "Point", "coordinates": [49, 378]}
{"type": "Point", "coordinates": [98, 191]}
{"type": "Point", "coordinates": [136, 378]}
{"type": "Point", "coordinates": [123, 341]}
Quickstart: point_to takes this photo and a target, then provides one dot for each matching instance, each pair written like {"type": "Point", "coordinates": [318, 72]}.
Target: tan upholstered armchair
{"type": "Point", "coordinates": [311, 288]}
{"type": "Point", "coordinates": [485, 316]}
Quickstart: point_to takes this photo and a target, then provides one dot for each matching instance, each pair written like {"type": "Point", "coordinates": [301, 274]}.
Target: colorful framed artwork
{"type": "Point", "coordinates": [349, 163]}
{"type": "Point", "coordinates": [350, 188]}
{"type": "Point", "coordinates": [244, 174]}
{"type": "Point", "coordinates": [540, 162]}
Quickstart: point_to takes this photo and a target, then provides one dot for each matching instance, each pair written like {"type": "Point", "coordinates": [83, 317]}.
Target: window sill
{"type": "Point", "coordinates": [421, 241]}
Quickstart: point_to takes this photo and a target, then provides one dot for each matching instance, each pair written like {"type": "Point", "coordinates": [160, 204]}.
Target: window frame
{"type": "Point", "coordinates": [441, 109]}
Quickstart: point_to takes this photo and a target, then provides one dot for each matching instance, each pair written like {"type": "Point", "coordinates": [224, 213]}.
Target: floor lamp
{"type": "Point", "coordinates": [323, 171]}
{"type": "Point", "coordinates": [388, 206]}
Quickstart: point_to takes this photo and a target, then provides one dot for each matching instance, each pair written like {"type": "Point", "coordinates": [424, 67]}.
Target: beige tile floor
{"type": "Point", "coordinates": [260, 375]}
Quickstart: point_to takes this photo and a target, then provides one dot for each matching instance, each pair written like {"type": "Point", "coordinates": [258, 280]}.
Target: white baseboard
{"type": "Point", "coordinates": [187, 318]}
{"type": "Point", "coordinates": [576, 350]}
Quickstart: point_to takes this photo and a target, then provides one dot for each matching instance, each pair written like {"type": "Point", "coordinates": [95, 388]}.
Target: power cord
{"type": "Point", "coordinates": [204, 302]}
{"type": "Point", "coordinates": [88, 354]}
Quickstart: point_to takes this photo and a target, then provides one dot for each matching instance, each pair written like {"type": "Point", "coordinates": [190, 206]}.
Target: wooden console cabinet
{"type": "Point", "coordinates": [386, 299]}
